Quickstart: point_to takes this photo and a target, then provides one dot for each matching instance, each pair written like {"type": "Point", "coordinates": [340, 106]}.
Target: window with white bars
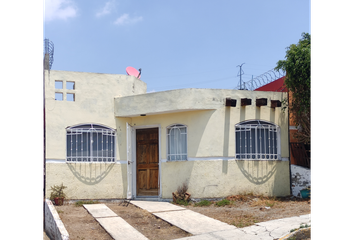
{"type": "Point", "coordinates": [90, 143]}
{"type": "Point", "coordinates": [176, 142]}
{"type": "Point", "coordinates": [257, 140]}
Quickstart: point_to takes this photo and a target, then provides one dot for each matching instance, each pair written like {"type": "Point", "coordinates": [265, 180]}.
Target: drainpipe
{"type": "Point", "coordinates": [291, 190]}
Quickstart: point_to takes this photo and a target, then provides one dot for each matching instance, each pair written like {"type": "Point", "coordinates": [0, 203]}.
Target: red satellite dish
{"type": "Point", "coordinates": [133, 72]}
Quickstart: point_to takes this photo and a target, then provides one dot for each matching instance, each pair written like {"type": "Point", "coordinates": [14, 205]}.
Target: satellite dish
{"type": "Point", "coordinates": [133, 72]}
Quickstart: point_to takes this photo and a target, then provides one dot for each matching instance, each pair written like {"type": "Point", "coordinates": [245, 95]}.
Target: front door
{"type": "Point", "coordinates": [147, 162]}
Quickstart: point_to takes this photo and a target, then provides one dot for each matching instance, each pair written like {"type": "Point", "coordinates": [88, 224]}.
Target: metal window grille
{"type": "Point", "coordinates": [257, 140]}
{"type": "Point", "coordinates": [177, 142]}
{"type": "Point", "coordinates": [90, 143]}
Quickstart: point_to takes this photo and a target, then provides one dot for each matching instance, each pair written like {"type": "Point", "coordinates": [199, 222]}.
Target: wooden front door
{"type": "Point", "coordinates": [147, 162]}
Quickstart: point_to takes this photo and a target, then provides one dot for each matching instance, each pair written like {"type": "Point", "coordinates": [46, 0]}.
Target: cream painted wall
{"type": "Point", "coordinates": [221, 178]}
{"type": "Point", "coordinates": [94, 103]}
{"type": "Point", "coordinates": [211, 133]}
{"type": "Point", "coordinates": [88, 180]}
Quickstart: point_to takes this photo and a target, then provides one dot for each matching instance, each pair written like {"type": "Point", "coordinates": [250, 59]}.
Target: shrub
{"type": "Point", "coordinates": [181, 195]}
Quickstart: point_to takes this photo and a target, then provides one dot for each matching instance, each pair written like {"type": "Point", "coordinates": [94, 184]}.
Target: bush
{"type": "Point", "coordinates": [223, 203]}
{"type": "Point", "coordinates": [181, 196]}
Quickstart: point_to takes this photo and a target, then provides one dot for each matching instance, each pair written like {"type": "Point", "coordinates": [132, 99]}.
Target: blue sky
{"type": "Point", "coordinates": [177, 44]}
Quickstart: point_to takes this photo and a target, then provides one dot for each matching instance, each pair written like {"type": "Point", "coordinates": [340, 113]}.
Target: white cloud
{"type": "Point", "coordinates": [126, 19]}
{"type": "Point", "coordinates": [108, 7]}
{"type": "Point", "coordinates": [59, 9]}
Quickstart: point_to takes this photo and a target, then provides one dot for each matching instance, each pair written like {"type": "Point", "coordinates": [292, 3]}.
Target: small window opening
{"type": "Point", "coordinates": [58, 84]}
{"type": "Point", "coordinates": [70, 97]}
{"type": "Point", "coordinates": [59, 96]}
{"type": "Point", "coordinates": [70, 85]}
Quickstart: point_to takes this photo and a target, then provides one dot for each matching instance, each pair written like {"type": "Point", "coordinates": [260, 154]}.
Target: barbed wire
{"type": "Point", "coordinates": [49, 49]}
{"type": "Point", "coordinates": [261, 80]}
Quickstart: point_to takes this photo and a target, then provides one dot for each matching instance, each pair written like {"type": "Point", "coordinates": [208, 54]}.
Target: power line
{"type": "Point", "coordinates": [195, 83]}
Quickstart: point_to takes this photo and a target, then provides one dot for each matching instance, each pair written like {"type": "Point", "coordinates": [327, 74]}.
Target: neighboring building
{"type": "Point", "coordinates": [300, 156]}
{"type": "Point", "coordinates": [106, 138]}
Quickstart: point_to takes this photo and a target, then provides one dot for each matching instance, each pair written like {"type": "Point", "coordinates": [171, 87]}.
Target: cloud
{"type": "Point", "coordinates": [126, 19]}
{"type": "Point", "coordinates": [59, 9]}
{"type": "Point", "coordinates": [108, 7]}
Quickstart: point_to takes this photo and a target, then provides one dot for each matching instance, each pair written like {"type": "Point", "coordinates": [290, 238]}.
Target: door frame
{"type": "Point", "coordinates": [133, 149]}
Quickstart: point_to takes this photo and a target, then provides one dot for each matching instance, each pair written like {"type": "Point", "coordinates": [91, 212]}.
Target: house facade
{"type": "Point", "coordinates": [106, 138]}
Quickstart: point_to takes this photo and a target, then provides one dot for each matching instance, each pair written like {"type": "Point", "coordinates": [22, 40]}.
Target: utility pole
{"type": "Point", "coordinates": [240, 73]}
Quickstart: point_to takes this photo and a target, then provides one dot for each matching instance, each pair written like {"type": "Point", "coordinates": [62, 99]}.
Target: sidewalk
{"type": "Point", "coordinates": [203, 227]}
{"type": "Point", "coordinates": [206, 228]}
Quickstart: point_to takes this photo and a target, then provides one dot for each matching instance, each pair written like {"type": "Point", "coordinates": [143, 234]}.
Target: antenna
{"type": "Point", "coordinates": [240, 73]}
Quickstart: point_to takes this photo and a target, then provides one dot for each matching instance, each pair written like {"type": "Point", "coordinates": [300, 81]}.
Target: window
{"type": "Point", "coordinates": [177, 142]}
{"type": "Point", "coordinates": [70, 85]}
{"type": "Point", "coordinates": [70, 97]}
{"type": "Point", "coordinates": [257, 140]}
{"type": "Point", "coordinates": [90, 143]}
{"type": "Point", "coordinates": [59, 96]}
{"type": "Point", "coordinates": [58, 84]}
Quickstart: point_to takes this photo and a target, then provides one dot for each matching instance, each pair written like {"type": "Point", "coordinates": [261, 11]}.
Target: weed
{"type": "Point", "coordinates": [203, 203]}
{"type": "Point", "coordinates": [223, 203]}
{"type": "Point", "coordinates": [244, 221]}
{"type": "Point", "coordinates": [182, 202]}
{"type": "Point", "coordinates": [305, 226]}
{"type": "Point", "coordinates": [60, 211]}
{"type": "Point", "coordinates": [80, 203]}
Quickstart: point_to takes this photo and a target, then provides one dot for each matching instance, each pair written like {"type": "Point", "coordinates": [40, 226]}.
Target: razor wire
{"type": "Point", "coordinates": [260, 80]}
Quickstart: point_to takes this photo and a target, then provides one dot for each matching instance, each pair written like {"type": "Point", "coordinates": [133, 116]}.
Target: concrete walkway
{"type": "Point", "coordinates": [206, 228]}
{"type": "Point", "coordinates": [203, 227]}
{"type": "Point", "coordinates": [116, 226]}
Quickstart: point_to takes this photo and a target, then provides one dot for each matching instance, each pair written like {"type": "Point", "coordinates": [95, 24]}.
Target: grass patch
{"type": "Point", "coordinates": [203, 203]}
{"type": "Point", "coordinates": [223, 203]}
{"type": "Point", "coordinates": [182, 202]}
{"type": "Point", "coordinates": [80, 203]}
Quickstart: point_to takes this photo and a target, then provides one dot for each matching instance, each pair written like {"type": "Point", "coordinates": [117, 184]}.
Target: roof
{"type": "Point", "coordinates": [275, 86]}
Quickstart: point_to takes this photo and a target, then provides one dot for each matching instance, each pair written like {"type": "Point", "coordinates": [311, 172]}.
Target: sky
{"type": "Point", "coordinates": [177, 44]}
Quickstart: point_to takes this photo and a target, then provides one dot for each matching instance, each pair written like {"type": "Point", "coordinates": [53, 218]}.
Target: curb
{"type": "Point", "coordinates": [54, 227]}
{"type": "Point", "coordinates": [293, 233]}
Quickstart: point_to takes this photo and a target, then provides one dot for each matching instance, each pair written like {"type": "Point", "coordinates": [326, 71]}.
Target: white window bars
{"type": "Point", "coordinates": [90, 143]}
{"type": "Point", "coordinates": [176, 142]}
{"type": "Point", "coordinates": [257, 140]}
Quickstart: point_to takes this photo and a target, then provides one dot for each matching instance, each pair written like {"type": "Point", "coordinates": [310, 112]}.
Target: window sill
{"type": "Point", "coordinates": [246, 159]}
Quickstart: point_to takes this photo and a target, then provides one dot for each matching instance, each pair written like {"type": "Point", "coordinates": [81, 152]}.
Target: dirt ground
{"type": "Point", "coordinates": [81, 225]}
{"type": "Point", "coordinates": [247, 210]}
{"type": "Point", "coordinates": [242, 211]}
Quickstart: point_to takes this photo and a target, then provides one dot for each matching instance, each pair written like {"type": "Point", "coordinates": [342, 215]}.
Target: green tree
{"type": "Point", "coordinates": [297, 65]}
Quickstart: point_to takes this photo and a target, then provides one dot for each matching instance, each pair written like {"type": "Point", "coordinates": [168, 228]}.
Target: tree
{"type": "Point", "coordinates": [297, 65]}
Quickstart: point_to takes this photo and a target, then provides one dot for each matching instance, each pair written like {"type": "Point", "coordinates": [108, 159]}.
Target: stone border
{"type": "Point", "coordinates": [54, 227]}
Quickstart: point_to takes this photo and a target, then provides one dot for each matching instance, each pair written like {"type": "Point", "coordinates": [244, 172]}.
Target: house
{"type": "Point", "coordinates": [106, 138]}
